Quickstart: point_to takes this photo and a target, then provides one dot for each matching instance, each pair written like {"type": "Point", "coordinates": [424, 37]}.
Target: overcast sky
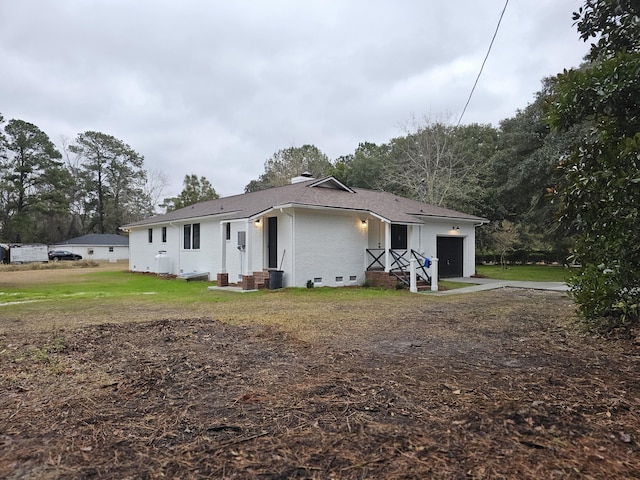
{"type": "Point", "coordinates": [215, 88]}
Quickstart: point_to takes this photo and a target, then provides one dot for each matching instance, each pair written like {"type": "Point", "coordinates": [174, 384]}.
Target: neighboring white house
{"type": "Point", "coordinates": [97, 246]}
{"type": "Point", "coordinates": [312, 229]}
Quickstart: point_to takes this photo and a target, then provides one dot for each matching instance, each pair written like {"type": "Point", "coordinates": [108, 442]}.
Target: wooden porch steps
{"type": "Point", "coordinates": [261, 279]}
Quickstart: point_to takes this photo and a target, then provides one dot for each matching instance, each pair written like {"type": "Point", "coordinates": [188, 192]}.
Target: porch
{"type": "Point", "coordinates": [388, 267]}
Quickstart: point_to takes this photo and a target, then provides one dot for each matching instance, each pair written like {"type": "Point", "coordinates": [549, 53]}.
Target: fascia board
{"type": "Point", "coordinates": [181, 221]}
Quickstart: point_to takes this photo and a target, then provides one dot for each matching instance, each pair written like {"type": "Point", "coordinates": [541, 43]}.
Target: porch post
{"type": "Point", "coordinates": [413, 280]}
{"type": "Point", "coordinates": [434, 274]}
{"type": "Point", "coordinates": [387, 246]}
{"type": "Point", "coordinates": [222, 277]}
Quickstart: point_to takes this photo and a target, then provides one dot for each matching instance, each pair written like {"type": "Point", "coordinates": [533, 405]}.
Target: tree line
{"type": "Point", "coordinates": [96, 184]}
{"type": "Point", "coordinates": [505, 174]}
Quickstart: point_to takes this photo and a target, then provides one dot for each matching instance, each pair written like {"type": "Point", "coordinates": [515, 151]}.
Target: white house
{"type": "Point", "coordinates": [313, 229]}
{"type": "Point", "coordinates": [97, 246]}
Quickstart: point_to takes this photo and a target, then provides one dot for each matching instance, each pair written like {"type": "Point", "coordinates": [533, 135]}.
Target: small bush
{"type": "Point", "coordinates": [603, 301]}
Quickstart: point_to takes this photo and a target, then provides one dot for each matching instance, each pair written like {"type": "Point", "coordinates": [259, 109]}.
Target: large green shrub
{"type": "Point", "coordinates": [600, 190]}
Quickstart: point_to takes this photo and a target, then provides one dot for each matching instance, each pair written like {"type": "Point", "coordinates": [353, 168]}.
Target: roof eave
{"type": "Point", "coordinates": [130, 226]}
{"type": "Point", "coordinates": [474, 220]}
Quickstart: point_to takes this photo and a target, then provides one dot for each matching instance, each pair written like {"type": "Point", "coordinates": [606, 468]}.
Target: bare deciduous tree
{"type": "Point", "coordinates": [429, 163]}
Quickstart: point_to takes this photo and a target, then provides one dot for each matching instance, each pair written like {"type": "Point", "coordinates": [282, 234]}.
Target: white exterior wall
{"type": "Point", "coordinates": [329, 245]}
{"type": "Point", "coordinates": [469, 252]}
{"type": "Point", "coordinates": [375, 230]}
{"type": "Point", "coordinates": [142, 253]}
{"type": "Point", "coordinates": [287, 223]}
{"type": "Point", "coordinates": [432, 230]}
{"type": "Point", "coordinates": [423, 239]}
{"type": "Point", "coordinates": [205, 259]}
{"type": "Point", "coordinates": [257, 245]}
{"type": "Point", "coordinates": [236, 259]}
{"type": "Point", "coordinates": [414, 238]}
{"type": "Point", "coordinates": [311, 244]}
{"type": "Point", "coordinates": [100, 252]}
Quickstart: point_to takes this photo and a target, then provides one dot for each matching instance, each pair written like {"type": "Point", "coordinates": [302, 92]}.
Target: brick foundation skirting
{"type": "Point", "coordinates": [222, 279]}
{"type": "Point", "coordinates": [248, 282]}
{"type": "Point", "coordinates": [381, 279]}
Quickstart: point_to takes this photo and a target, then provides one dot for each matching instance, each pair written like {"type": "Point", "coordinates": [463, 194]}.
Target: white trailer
{"type": "Point", "coordinates": [18, 253]}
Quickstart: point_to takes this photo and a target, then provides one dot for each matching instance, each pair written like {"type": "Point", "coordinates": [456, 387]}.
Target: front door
{"type": "Point", "coordinates": [398, 237]}
{"type": "Point", "coordinates": [272, 241]}
{"type": "Point", "coordinates": [450, 257]}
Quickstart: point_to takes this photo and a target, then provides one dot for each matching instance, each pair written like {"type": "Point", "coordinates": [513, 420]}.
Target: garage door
{"type": "Point", "coordinates": [450, 257]}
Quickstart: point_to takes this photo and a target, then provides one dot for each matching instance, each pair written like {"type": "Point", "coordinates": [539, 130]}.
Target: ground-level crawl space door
{"type": "Point", "coordinates": [450, 257]}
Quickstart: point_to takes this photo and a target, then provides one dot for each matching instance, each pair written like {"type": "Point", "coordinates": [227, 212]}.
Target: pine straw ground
{"type": "Point", "coordinates": [499, 384]}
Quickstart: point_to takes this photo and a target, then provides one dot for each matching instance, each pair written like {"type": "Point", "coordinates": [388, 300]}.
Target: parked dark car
{"type": "Point", "coordinates": [56, 255]}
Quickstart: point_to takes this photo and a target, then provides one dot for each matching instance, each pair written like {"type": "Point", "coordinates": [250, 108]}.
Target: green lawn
{"type": "Point", "coordinates": [125, 286]}
{"type": "Point", "coordinates": [532, 273]}
{"type": "Point", "coordinates": [51, 303]}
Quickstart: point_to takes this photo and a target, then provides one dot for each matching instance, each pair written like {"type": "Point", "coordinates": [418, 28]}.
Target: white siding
{"type": "Point", "coordinates": [329, 245]}
{"type": "Point", "coordinates": [432, 230]}
{"type": "Point", "coordinates": [375, 233]}
{"type": "Point", "coordinates": [312, 244]}
{"type": "Point", "coordinates": [205, 259]}
{"type": "Point", "coordinates": [423, 239]}
{"type": "Point", "coordinates": [235, 257]}
{"type": "Point", "coordinates": [287, 249]}
{"type": "Point", "coordinates": [142, 253]}
{"type": "Point", "coordinates": [96, 252]}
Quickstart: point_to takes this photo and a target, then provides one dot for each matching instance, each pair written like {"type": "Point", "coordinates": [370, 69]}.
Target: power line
{"type": "Point", "coordinates": [483, 62]}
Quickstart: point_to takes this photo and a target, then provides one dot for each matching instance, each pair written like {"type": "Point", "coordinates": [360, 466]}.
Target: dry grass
{"type": "Point", "coordinates": [500, 384]}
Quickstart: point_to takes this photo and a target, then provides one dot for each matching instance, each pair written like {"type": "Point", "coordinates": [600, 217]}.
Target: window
{"type": "Point", "coordinates": [164, 234]}
{"type": "Point", "coordinates": [110, 250]}
{"type": "Point", "coordinates": [191, 236]}
{"type": "Point", "coordinates": [196, 236]}
{"type": "Point", "coordinates": [228, 231]}
{"type": "Point", "coordinates": [187, 237]}
{"type": "Point", "coordinates": [150, 235]}
{"type": "Point", "coordinates": [339, 280]}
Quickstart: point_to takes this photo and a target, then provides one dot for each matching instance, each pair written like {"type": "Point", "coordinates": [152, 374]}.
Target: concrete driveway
{"type": "Point", "coordinates": [480, 284]}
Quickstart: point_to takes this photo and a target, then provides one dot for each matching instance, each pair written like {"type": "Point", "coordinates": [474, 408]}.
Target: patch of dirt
{"type": "Point", "coordinates": [494, 385]}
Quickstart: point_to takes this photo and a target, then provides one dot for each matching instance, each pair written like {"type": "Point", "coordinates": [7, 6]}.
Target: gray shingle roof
{"type": "Point", "coordinates": [98, 239]}
{"type": "Point", "coordinates": [327, 192]}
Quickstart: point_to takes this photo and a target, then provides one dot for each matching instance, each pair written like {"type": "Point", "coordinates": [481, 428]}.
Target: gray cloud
{"type": "Point", "coordinates": [215, 88]}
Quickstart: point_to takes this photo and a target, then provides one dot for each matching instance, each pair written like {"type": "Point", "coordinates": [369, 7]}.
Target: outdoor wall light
{"type": "Point", "coordinates": [364, 223]}
{"type": "Point", "coordinates": [257, 222]}
{"type": "Point", "coordinates": [455, 227]}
